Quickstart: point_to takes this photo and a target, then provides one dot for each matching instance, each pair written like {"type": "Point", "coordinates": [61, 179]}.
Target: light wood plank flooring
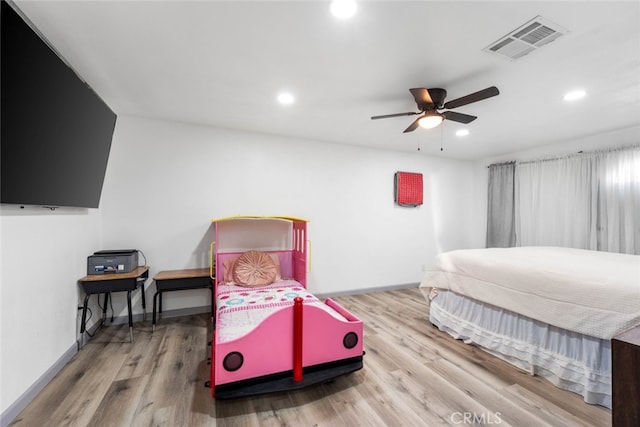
{"type": "Point", "coordinates": [414, 375]}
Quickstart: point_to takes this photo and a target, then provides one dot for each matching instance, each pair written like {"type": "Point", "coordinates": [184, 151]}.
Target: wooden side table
{"type": "Point", "coordinates": [625, 381]}
{"type": "Point", "coordinates": [113, 282]}
{"type": "Point", "coordinates": [180, 280]}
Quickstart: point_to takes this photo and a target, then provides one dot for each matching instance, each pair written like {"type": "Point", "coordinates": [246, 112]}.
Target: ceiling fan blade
{"type": "Point", "coordinates": [473, 97]}
{"type": "Point", "coordinates": [458, 117]}
{"type": "Point", "coordinates": [422, 98]}
{"type": "Point", "coordinates": [413, 126]}
{"type": "Point", "coordinates": [386, 116]}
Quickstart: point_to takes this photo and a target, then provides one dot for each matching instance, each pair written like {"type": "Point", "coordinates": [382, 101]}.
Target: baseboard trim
{"type": "Point", "coordinates": [16, 407]}
{"type": "Point", "coordinates": [368, 290]}
{"type": "Point", "coordinates": [166, 314]}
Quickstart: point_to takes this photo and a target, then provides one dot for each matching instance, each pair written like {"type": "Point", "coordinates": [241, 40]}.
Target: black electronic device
{"type": "Point", "coordinates": [112, 261]}
{"type": "Point", "coordinates": [56, 132]}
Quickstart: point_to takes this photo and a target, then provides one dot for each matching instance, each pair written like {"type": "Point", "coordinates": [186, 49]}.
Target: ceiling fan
{"type": "Point", "coordinates": [429, 101]}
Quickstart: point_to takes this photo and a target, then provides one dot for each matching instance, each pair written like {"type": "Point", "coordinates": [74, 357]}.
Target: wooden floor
{"type": "Point", "coordinates": [414, 375]}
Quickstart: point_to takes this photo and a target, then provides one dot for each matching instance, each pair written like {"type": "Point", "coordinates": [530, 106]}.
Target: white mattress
{"type": "Point", "coordinates": [571, 361]}
{"type": "Point", "coordinates": [589, 292]}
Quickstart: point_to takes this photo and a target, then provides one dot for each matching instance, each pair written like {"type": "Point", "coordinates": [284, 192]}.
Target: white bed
{"type": "Point", "coordinates": [548, 310]}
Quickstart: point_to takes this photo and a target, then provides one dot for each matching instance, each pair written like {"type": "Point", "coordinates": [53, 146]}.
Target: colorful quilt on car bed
{"type": "Point", "coordinates": [240, 310]}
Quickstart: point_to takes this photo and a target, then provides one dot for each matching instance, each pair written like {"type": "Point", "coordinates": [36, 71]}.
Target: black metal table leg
{"type": "Point", "coordinates": [104, 309]}
{"type": "Point", "coordinates": [130, 317]}
{"type": "Point", "coordinates": [153, 322]}
{"type": "Point", "coordinates": [83, 323]}
{"type": "Point", "coordinates": [144, 305]}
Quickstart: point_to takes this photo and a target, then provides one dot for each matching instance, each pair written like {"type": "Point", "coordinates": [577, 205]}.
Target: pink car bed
{"type": "Point", "coordinates": [270, 333]}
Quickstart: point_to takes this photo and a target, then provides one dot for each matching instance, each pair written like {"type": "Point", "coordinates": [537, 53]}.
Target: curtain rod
{"type": "Point", "coordinates": [502, 164]}
{"type": "Point", "coordinates": [582, 153]}
{"type": "Point", "coordinates": [579, 153]}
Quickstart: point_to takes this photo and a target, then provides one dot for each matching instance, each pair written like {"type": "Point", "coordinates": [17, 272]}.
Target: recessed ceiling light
{"type": "Point", "coordinates": [286, 98]}
{"type": "Point", "coordinates": [462, 132]}
{"type": "Point", "coordinates": [343, 9]}
{"type": "Point", "coordinates": [575, 95]}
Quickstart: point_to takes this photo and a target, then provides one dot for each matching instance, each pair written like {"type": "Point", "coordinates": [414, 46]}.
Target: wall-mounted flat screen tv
{"type": "Point", "coordinates": [55, 131]}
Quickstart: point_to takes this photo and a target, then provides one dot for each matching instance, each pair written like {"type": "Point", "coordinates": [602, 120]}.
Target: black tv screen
{"type": "Point", "coordinates": [55, 131]}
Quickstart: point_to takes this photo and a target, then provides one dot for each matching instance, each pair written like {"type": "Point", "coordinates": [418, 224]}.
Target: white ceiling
{"type": "Point", "coordinates": [223, 64]}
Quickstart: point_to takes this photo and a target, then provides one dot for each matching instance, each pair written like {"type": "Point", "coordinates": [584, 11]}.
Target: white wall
{"type": "Point", "coordinates": [166, 181]}
{"type": "Point", "coordinates": [43, 254]}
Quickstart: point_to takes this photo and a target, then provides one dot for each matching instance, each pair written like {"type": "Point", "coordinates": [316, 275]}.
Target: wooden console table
{"type": "Point", "coordinates": [180, 280]}
{"type": "Point", "coordinates": [625, 378]}
{"type": "Point", "coordinates": [112, 282]}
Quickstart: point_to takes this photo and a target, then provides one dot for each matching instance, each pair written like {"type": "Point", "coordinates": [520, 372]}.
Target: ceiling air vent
{"type": "Point", "coordinates": [525, 39]}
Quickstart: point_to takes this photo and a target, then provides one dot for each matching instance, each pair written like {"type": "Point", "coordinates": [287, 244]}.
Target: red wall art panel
{"type": "Point", "coordinates": [408, 188]}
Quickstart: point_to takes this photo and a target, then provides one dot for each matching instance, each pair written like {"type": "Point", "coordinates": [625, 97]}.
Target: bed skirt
{"type": "Point", "coordinates": [571, 361]}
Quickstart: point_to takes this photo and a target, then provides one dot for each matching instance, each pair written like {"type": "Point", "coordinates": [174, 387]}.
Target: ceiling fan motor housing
{"type": "Point", "coordinates": [437, 96]}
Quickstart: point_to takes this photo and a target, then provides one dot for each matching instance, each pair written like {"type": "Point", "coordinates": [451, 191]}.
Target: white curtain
{"type": "Point", "coordinates": [555, 203]}
{"type": "Point", "coordinates": [587, 201]}
{"type": "Point", "coordinates": [618, 224]}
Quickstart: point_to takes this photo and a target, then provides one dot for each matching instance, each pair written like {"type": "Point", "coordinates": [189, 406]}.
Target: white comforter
{"type": "Point", "coordinates": [590, 292]}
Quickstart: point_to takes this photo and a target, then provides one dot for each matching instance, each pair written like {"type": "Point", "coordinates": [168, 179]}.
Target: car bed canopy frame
{"type": "Point", "coordinates": [280, 234]}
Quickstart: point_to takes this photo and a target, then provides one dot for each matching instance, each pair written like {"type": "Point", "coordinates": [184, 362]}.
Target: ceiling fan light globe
{"type": "Point", "coordinates": [429, 122]}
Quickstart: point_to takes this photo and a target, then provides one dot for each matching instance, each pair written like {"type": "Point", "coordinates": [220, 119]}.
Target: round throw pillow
{"type": "Point", "coordinates": [253, 269]}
